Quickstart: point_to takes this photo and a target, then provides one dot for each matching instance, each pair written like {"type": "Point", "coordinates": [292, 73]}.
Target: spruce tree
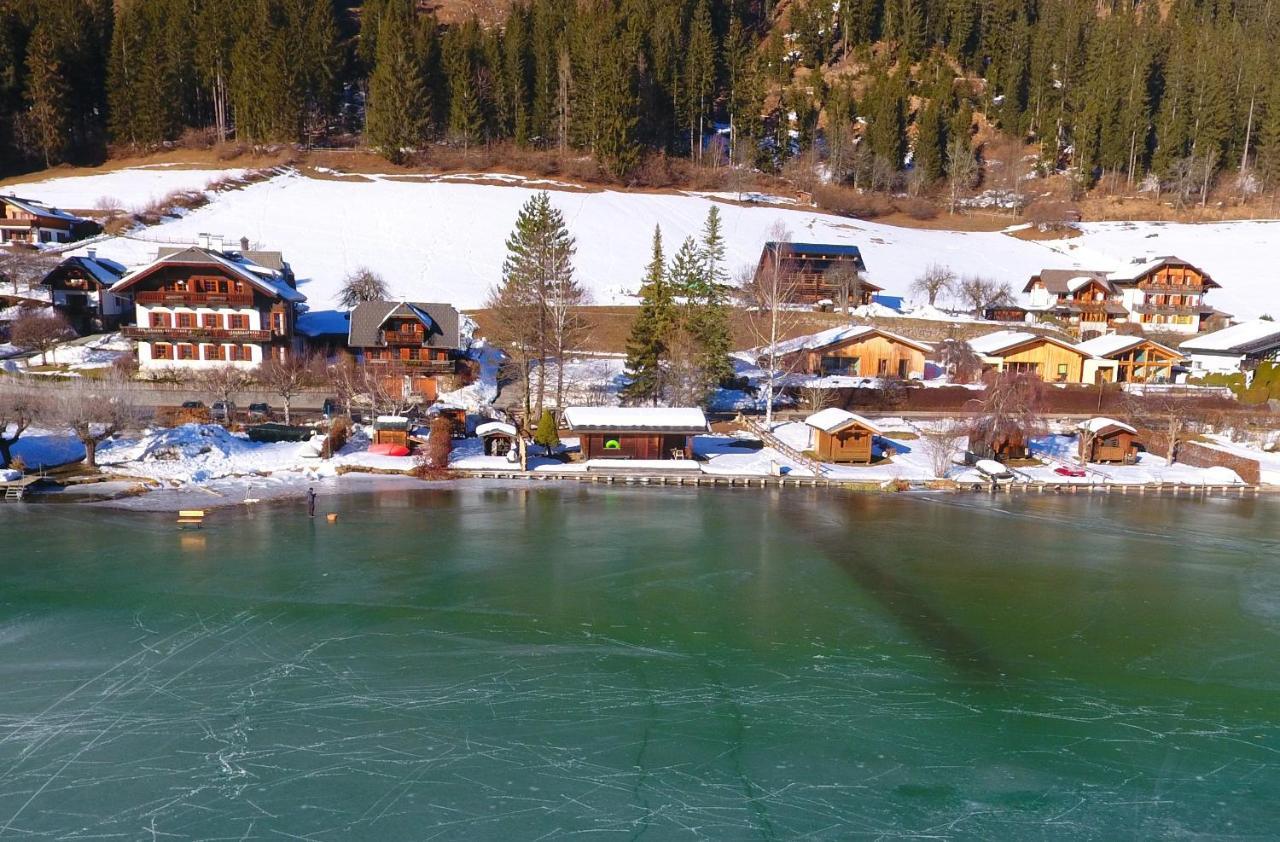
{"type": "Point", "coordinates": [398, 108]}
{"type": "Point", "coordinates": [47, 98]}
{"type": "Point", "coordinates": [699, 76]}
{"type": "Point", "coordinates": [707, 293]}
{"type": "Point", "coordinates": [651, 331]}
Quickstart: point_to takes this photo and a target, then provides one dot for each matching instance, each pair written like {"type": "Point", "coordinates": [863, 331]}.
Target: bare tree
{"type": "Point", "coordinates": [978, 293]}
{"type": "Point", "coordinates": [846, 281]}
{"type": "Point", "coordinates": [361, 285]}
{"type": "Point", "coordinates": [1010, 409]}
{"type": "Point", "coordinates": [935, 280]}
{"type": "Point", "coordinates": [40, 329]}
{"type": "Point", "coordinates": [19, 407]}
{"type": "Point", "coordinates": [962, 170]}
{"type": "Point", "coordinates": [959, 359]}
{"type": "Point", "coordinates": [222, 382]}
{"type": "Point", "coordinates": [771, 294]}
{"type": "Point", "coordinates": [1172, 415]}
{"type": "Point", "coordinates": [289, 377]}
{"type": "Point", "coordinates": [94, 411]}
{"type": "Point", "coordinates": [941, 442]}
{"type": "Point", "coordinates": [686, 382]}
{"type": "Point", "coordinates": [569, 330]}
{"type": "Point", "coordinates": [815, 396]}
{"type": "Point", "coordinates": [22, 270]}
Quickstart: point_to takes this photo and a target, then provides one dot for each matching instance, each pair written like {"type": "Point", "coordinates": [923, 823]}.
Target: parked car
{"type": "Point", "coordinates": [259, 411]}
{"type": "Point", "coordinates": [223, 411]}
{"type": "Point", "coordinates": [193, 404]}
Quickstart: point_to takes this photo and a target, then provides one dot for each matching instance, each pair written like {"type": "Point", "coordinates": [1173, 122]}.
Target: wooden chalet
{"type": "Point", "coordinates": [1137, 359]}
{"type": "Point", "coordinates": [640, 433]}
{"type": "Point", "coordinates": [855, 351]}
{"type": "Point", "coordinates": [1165, 294]}
{"type": "Point", "coordinates": [1006, 313]}
{"type": "Point", "coordinates": [812, 267]}
{"type": "Point", "coordinates": [841, 436]}
{"type": "Point", "coordinates": [1002, 446]}
{"type": "Point", "coordinates": [29, 222]}
{"type": "Point", "coordinates": [1084, 299]}
{"type": "Point", "coordinates": [80, 288]}
{"type": "Point", "coordinates": [411, 344]}
{"type": "Point", "coordinates": [204, 306]}
{"type": "Point", "coordinates": [1108, 440]}
{"type": "Point", "coordinates": [1049, 358]}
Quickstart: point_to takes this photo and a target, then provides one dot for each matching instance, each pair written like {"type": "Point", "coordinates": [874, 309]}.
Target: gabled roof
{"type": "Point", "coordinates": [1115, 343]}
{"type": "Point", "coordinates": [40, 209]}
{"type": "Point", "coordinates": [834, 420]}
{"type": "Point", "coordinates": [1003, 342]}
{"type": "Point", "coordinates": [840, 335]}
{"type": "Point", "coordinates": [818, 251]}
{"type": "Point", "coordinates": [269, 283]}
{"type": "Point", "coordinates": [1137, 271]}
{"type": "Point", "coordinates": [1245, 338]}
{"type": "Point", "coordinates": [495, 428]}
{"type": "Point", "coordinates": [104, 272]}
{"type": "Point", "coordinates": [677, 420]}
{"type": "Point", "coordinates": [1062, 281]}
{"type": "Point", "coordinates": [439, 320]}
{"type": "Point", "coordinates": [1099, 426]}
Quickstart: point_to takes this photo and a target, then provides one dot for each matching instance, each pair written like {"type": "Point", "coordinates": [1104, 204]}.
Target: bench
{"type": "Point", "coordinates": [191, 517]}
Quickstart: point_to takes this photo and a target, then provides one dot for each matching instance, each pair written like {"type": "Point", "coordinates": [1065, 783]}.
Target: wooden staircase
{"type": "Point", "coordinates": [766, 435]}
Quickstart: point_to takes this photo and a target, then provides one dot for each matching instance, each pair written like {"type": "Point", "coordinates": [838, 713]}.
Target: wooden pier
{"type": "Point", "coordinates": [13, 491]}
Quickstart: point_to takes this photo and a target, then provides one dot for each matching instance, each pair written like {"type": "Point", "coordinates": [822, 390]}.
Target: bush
{"type": "Point", "coordinates": [846, 201]}
{"type": "Point", "coordinates": [432, 461]}
{"type": "Point", "coordinates": [547, 435]}
{"type": "Point", "coordinates": [198, 138]}
{"type": "Point", "coordinates": [339, 433]}
{"type": "Point", "coordinates": [230, 151]}
{"type": "Point", "coordinates": [921, 209]}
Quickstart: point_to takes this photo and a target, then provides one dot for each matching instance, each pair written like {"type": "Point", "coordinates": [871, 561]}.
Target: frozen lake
{"type": "Point", "coordinates": [483, 662]}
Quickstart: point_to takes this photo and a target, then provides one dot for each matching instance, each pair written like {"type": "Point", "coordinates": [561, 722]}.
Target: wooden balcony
{"type": "Point", "coordinates": [415, 366]}
{"type": "Point", "coordinates": [1174, 289]}
{"type": "Point", "coordinates": [195, 299]}
{"type": "Point", "coordinates": [195, 334]}
{"type": "Point", "coordinates": [402, 337]}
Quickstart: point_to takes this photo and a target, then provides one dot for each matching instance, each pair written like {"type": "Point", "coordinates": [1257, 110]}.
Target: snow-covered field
{"type": "Point", "coordinates": [443, 239]}
{"type": "Point", "coordinates": [131, 188]}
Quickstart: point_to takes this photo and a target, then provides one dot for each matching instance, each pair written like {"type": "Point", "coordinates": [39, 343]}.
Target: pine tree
{"type": "Point", "coordinates": [398, 109]}
{"type": "Point", "coordinates": [47, 98]}
{"type": "Point", "coordinates": [1269, 141]}
{"type": "Point", "coordinates": [707, 293]}
{"type": "Point", "coordinates": [651, 332]}
{"type": "Point", "coordinates": [547, 435]}
{"type": "Point", "coordinates": [699, 76]}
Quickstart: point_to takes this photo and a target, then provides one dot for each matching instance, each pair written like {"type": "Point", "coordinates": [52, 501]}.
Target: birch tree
{"type": "Point", "coordinates": [771, 294]}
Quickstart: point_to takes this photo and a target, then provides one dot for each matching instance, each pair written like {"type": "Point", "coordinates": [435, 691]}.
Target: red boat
{"type": "Point", "coordinates": [389, 449]}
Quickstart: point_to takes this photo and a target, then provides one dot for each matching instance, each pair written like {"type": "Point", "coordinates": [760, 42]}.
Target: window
{"type": "Point", "coordinates": [238, 321]}
{"type": "Point", "coordinates": [233, 353]}
{"type": "Point", "coordinates": [161, 319]}
{"type": "Point", "coordinates": [213, 352]}
{"type": "Point", "coordinates": [277, 322]}
{"type": "Point", "coordinates": [246, 352]}
{"type": "Point", "coordinates": [840, 366]}
{"type": "Point", "coordinates": [902, 369]}
{"type": "Point", "coordinates": [161, 351]}
{"type": "Point", "coordinates": [185, 319]}
{"type": "Point", "coordinates": [211, 320]}
{"type": "Point", "coordinates": [1062, 371]}
{"type": "Point", "coordinates": [186, 352]}
{"type": "Point", "coordinates": [882, 368]}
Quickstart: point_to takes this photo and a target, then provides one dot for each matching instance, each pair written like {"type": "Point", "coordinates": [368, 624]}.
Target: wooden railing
{"type": "Point", "coordinates": [401, 337]}
{"type": "Point", "coordinates": [417, 366]}
{"type": "Point", "coordinates": [196, 334]}
{"type": "Point", "coordinates": [191, 299]}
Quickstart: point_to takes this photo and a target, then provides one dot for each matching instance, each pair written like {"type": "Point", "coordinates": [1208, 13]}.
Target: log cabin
{"type": "Point", "coordinates": [813, 267]}
{"type": "Point", "coordinates": [207, 305]}
{"type": "Point", "coordinates": [1108, 440]}
{"type": "Point", "coordinates": [29, 222]}
{"type": "Point", "coordinates": [410, 344]}
{"type": "Point", "coordinates": [1137, 359]}
{"type": "Point", "coordinates": [841, 436]}
{"type": "Point", "coordinates": [1049, 358]}
{"type": "Point", "coordinates": [854, 351]}
{"type": "Point", "coordinates": [79, 288]}
{"type": "Point", "coordinates": [639, 433]}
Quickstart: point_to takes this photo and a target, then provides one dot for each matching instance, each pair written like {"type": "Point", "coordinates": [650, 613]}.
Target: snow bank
{"type": "Point", "coordinates": [133, 187]}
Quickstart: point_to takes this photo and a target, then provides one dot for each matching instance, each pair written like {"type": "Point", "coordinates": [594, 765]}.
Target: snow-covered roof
{"type": "Point", "coordinates": [1097, 425]}
{"type": "Point", "coordinates": [838, 335]}
{"type": "Point", "coordinates": [31, 206]}
{"type": "Point", "coordinates": [674, 419]}
{"type": "Point", "coordinates": [994, 344]}
{"type": "Point", "coordinates": [1115, 343]}
{"type": "Point", "coordinates": [495, 428]}
{"type": "Point", "coordinates": [269, 283]}
{"type": "Point", "coordinates": [1138, 270]}
{"type": "Point", "coordinates": [392, 419]}
{"type": "Point", "coordinates": [1244, 338]}
{"type": "Point", "coordinates": [833, 420]}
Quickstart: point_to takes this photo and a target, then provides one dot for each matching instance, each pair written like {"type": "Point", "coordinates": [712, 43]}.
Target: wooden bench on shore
{"type": "Point", "coordinates": [191, 517]}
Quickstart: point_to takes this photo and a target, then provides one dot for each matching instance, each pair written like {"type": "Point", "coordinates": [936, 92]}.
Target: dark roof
{"type": "Point", "coordinates": [100, 270]}
{"type": "Point", "coordinates": [38, 208]}
{"type": "Point", "coordinates": [273, 260]}
{"type": "Point", "coordinates": [270, 282]}
{"type": "Point", "coordinates": [440, 320]}
{"type": "Point", "coordinates": [818, 251]}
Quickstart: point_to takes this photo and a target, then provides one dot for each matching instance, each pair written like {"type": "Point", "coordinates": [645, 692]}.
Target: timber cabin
{"type": "Point", "coordinates": [79, 288]}
{"type": "Point", "coordinates": [1108, 440]}
{"type": "Point", "coordinates": [1137, 359]}
{"type": "Point", "coordinates": [854, 351]}
{"type": "Point", "coordinates": [1085, 299]}
{"type": "Point", "coordinates": [1002, 446]}
{"type": "Point", "coordinates": [813, 267]}
{"type": "Point", "coordinates": [1049, 358]}
{"type": "Point", "coordinates": [841, 436]}
{"type": "Point", "coordinates": [204, 306]}
{"type": "Point", "coordinates": [32, 223]}
{"type": "Point", "coordinates": [639, 433]}
{"type": "Point", "coordinates": [410, 344]}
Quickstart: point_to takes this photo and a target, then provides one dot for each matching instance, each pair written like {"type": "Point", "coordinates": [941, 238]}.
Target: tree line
{"type": "Point", "coordinates": [884, 92]}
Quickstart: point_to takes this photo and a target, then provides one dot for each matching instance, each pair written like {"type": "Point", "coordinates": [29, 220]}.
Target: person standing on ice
{"type": "Point", "coordinates": [311, 502]}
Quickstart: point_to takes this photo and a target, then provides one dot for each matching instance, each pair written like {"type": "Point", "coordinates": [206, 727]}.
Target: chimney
{"type": "Point", "coordinates": [92, 253]}
{"type": "Point", "coordinates": [217, 243]}
{"type": "Point", "coordinates": [244, 244]}
{"type": "Point", "coordinates": [202, 240]}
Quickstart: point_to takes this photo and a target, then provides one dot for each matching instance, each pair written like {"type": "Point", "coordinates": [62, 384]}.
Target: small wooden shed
{"type": "Point", "coordinates": [391, 429]}
{"type": "Point", "coordinates": [841, 436]}
{"type": "Point", "coordinates": [499, 438]}
{"type": "Point", "coordinates": [633, 432]}
{"type": "Point", "coordinates": [1002, 447]}
{"type": "Point", "coordinates": [1108, 440]}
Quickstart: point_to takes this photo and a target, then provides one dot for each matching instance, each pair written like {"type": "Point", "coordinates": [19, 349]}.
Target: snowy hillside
{"type": "Point", "coordinates": [443, 240]}
{"type": "Point", "coordinates": [130, 189]}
